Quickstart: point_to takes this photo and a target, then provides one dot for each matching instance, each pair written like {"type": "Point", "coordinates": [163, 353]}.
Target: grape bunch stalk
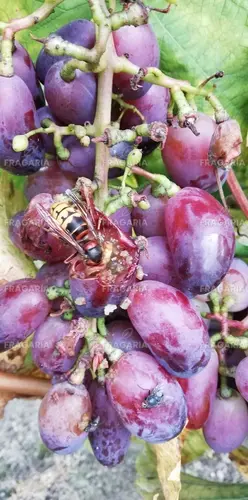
{"type": "Point", "coordinates": [138, 313]}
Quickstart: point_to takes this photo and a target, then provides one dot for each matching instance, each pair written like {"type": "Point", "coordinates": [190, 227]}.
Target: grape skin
{"type": "Point", "coordinates": [122, 335]}
{"type": "Point", "coordinates": [111, 440]}
{"type": "Point", "coordinates": [18, 116]}
{"type": "Point", "coordinates": [64, 414]}
{"type": "Point", "coordinates": [172, 329]}
{"type": "Point", "coordinates": [82, 160]}
{"type": "Point", "coordinates": [141, 45]}
{"type": "Point", "coordinates": [45, 113]}
{"type": "Point", "coordinates": [62, 96]}
{"type": "Point", "coordinates": [150, 222]}
{"type": "Point", "coordinates": [80, 32]}
{"type": "Point", "coordinates": [201, 238]}
{"type": "Point", "coordinates": [49, 180]}
{"type": "Point", "coordinates": [235, 285]}
{"type": "Point", "coordinates": [227, 426]}
{"type": "Point", "coordinates": [200, 391]}
{"type": "Point", "coordinates": [157, 263]}
{"type": "Point", "coordinates": [241, 378]}
{"type": "Point", "coordinates": [129, 381]}
{"type": "Point", "coordinates": [23, 308]}
{"type": "Point", "coordinates": [24, 68]}
{"type": "Point", "coordinates": [186, 155]}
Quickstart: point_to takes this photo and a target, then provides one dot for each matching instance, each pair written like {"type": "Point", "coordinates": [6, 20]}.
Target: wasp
{"type": "Point", "coordinates": [72, 222]}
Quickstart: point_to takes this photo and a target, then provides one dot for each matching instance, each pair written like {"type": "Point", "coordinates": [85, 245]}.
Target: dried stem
{"type": "Point", "coordinates": [25, 386]}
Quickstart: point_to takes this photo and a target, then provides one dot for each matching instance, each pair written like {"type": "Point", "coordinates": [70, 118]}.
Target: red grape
{"type": "Point", "coordinates": [65, 412]}
{"type": "Point", "coordinates": [62, 96]}
{"type": "Point", "coordinates": [157, 262]}
{"type": "Point", "coordinates": [45, 352]}
{"type": "Point", "coordinates": [200, 391]}
{"type": "Point", "coordinates": [122, 335]}
{"type": "Point", "coordinates": [201, 239]}
{"type": "Point", "coordinates": [235, 285]}
{"type": "Point", "coordinates": [170, 326]}
{"type": "Point", "coordinates": [110, 441]}
{"type": "Point", "coordinates": [140, 46]}
{"type": "Point", "coordinates": [241, 378]}
{"type": "Point", "coordinates": [186, 155]}
{"type": "Point", "coordinates": [23, 308]}
{"type": "Point", "coordinates": [227, 426]}
{"type": "Point", "coordinates": [148, 400]}
{"type": "Point", "coordinates": [49, 179]}
{"type": "Point", "coordinates": [150, 222]}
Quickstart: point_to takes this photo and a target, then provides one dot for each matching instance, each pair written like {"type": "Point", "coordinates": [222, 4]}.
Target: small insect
{"type": "Point", "coordinates": [72, 222]}
{"type": "Point", "coordinates": [93, 425]}
{"type": "Point", "coordinates": [154, 398]}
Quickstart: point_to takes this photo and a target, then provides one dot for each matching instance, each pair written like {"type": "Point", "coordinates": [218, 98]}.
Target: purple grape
{"type": "Point", "coordinates": [170, 326]}
{"type": "Point", "coordinates": [80, 32]}
{"type": "Point", "coordinates": [62, 96]}
{"type": "Point", "coordinates": [65, 412]}
{"type": "Point", "coordinates": [122, 335]}
{"type": "Point", "coordinates": [148, 400]}
{"type": "Point", "coordinates": [53, 274]}
{"type": "Point", "coordinates": [120, 150]}
{"type": "Point", "coordinates": [201, 307]}
{"type": "Point", "coordinates": [186, 155]}
{"type": "Point", "coordinates": [49, 179]}
{"type": "Point", "coordinates": [110, 441]}
{"type": "Point", "coordinates": [201, 239]}
{"type": "Point", "coordinates": [122, 219]}
{"type": "Point", "coordinates": [150, 222]}
{"type": "Point", "coordinates": [82, 160]}
{"type": "Point", "coordinates": [45, 352]}
{"type": "Point", "coordinates": [45, 113]}
{"type": "Point", "coordinates": [227, 425]}
{"type": "Point", "coordinates": [17, 117]}
{"type": "Point", "coordinates": [23, 308]}
{"type": "Point", "coordinates": [241, 378]}
{"type": "Point", "coordinates": [24, 68]}
{"type": "Point", "coordinates": [235, 285]}
{"type": "Point", "coordinates": [140, 46]}
{"type": "Point", "coordinates": [157, 263]}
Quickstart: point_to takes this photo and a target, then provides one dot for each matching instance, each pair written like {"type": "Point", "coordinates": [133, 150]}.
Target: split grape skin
{"type": "Point", "coordinates": [65, 412]}
{"type": "Point", "coordinates": [200, 392]}
{"type": "Point", "coordinates": [186, 155]}
{"type": "Point", "coordinates": [150, 222]}
{"type": "Point", "coordinates": [110, 440]}
{"type": "Point", "coordinates": [130, 381]}
{"type": "Point", "coordinates": [241, 378]}
{"type": "Point", "coordinates": [227, 425]}
{"type": "Point", "coordinates": [18, 116]}
{"type": "Point", "coordinates": [172, 329]}
{"type": "Point", "coordinates": [44, 346]}
{"type": "Point", "coordinates": [23, 308]}
{"type": "Point", "coordinates": [139, 44]}
{"type": "Point", "coordinates": [49, 180]}
{"type": "Point", "coordinates": [62, 96]}
{"type": "Point", "coordinates": [201, 239]}
{"type": "Point", "coordinates": [79, 32]}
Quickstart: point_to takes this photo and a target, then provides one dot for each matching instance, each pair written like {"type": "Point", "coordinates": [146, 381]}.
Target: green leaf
{"type": "Point", "coordinates": [198, 38]}
{"type": "Point", "coordinates": [194, 445]}
{"type": "Point", "coordinates": [194, 488]}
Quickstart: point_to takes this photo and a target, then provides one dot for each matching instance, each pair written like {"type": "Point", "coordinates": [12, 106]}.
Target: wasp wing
{"type": "Point", "coordinates": [61, 233]}
{"type": "Point", "coordinates": [82, 208]}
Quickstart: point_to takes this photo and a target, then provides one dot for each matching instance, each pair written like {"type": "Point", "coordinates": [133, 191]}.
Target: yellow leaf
{"type": "Point", "coordinates": [169, 467]}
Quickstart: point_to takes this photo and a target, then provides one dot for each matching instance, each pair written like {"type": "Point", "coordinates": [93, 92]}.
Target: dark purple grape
{"type": "Point", "coordinates": [23, 308]}
{"type": "Point", "coordinates": [45, 346]}
{"type": "Point", "coordinates": [24, 68]}
{"type": "Point", "coordinates": [120, 150]}
{"type": "Point", "coordinates": [139, 45]}
{"type": "Point", "coordinates": [45, 113]}
{"type": "Point", "coordinates": [62, 96]}
{"type": "Point", "coordinates": [65, 412]}
{"type": "Point", "coordinates": [227, 425]}
{"type": "Point", "coordinates": [186, 155]}
{"type": "Point", "coordinates": [53, 274]}
{"type": "Point", "coordinates": [82, 160]}
{"type": "Point", "coordinates": [150, 222]}
{"type": "Point", "coordinates": [170, 326]}
{"type": "Point", "coordinates": [201, 239]}
{"type": "Point", "coordinates": [157, 263]}
{"type": "Point", "coordinates": [17, 117]}
{"type": "Point", "coordinates": [149, 401]}
{"type": "Point", "coordinates": [80, 32]}
{"type": "Point", "coordinates": [110, 441]}
{"type": "Point", "coordinates": [49, 179]}
{"type": "Point", "coordinates": [122, 335]}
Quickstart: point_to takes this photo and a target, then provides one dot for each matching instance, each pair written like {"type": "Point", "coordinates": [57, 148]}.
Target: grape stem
{"type": "Point", "coordinates": [23, 386]}
{"type": "Point", "coordinates": [118, 98]}
{"type": "Point", "coordinates": [165, 186]}
{"type": "Point", "coordinates": [237, 192]}
{"type": "Point", "coordinates": [9, 30]}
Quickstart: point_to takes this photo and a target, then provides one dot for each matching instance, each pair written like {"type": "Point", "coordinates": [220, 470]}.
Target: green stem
{"type": "Point", "coordinates": [225, 391]}
{"type": "Point", "coordinates": [239, 342]}
{"type": "Point", "coordinates": [102, 327]}
{"type": "Point", "coordinates": [117, 98]}
{"type": "Point", "coordinates": [168, 187]}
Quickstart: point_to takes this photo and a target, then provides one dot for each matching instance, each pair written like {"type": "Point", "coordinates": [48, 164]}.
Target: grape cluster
{"type": "Point", "coordinates": [124, 315]}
